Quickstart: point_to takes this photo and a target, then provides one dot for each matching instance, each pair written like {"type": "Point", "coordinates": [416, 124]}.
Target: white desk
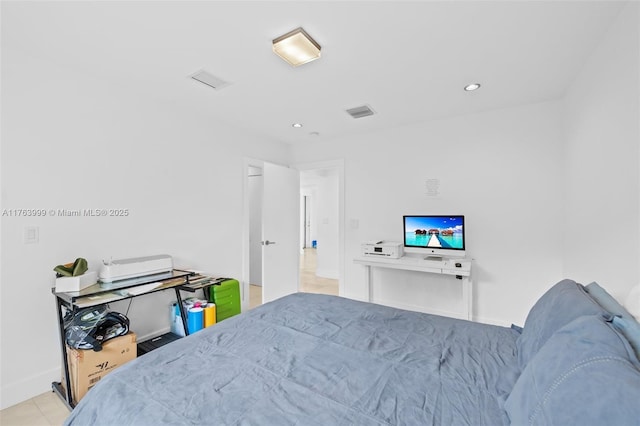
{"type": "Point", "coordinates": [414, 263]}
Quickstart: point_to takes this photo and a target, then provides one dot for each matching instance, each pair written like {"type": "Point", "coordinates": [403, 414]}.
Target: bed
{"type": "Point", "coordinates": [310, 359]}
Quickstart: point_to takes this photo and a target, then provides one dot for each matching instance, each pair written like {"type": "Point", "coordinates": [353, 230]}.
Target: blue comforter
{"type": "Point", "coordinates": [309, 359]}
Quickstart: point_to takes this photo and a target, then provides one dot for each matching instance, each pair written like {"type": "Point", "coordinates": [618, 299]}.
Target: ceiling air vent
{"type": "Point", "coordinates": [361, 111]}
{"type": "Point", "coordinates": [209, 79]}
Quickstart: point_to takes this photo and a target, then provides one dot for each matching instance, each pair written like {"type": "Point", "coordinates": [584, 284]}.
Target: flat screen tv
{"type": "Point", "coordinates": [433, 236]}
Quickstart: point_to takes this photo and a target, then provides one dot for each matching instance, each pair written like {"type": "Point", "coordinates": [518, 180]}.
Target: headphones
{"type": "Point", "coordinates": [90, 328]}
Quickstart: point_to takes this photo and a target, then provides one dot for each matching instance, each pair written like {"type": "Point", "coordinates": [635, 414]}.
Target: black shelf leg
{"type": "Point", "coordinates": [182, 312]}
{"type": "Point", "coordinates": [65, 393]}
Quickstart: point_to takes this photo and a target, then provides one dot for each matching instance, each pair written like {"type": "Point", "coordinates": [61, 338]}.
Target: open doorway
{"type": "Point", "coordinates": [310, 281]}
{"type": "Point", "coordinates": [322, 262]}
{"type": "Point", "coordinates": [321, 267]}
{"type": "Point", "coordinates": [320, 226]}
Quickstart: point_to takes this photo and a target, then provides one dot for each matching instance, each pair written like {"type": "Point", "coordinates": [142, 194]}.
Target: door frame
{"type": "Point", "coordinates": [306, 231]}
{"type": "Point", "coordinates": [246, 230]}
{"type": "Point", "coordinates": [246, 257]}
{"type": "Point", "coordinates": [339, 165]}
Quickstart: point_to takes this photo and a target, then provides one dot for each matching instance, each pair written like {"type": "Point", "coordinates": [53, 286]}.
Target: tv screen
{"type": "Point", "coordinates": [440, 235]}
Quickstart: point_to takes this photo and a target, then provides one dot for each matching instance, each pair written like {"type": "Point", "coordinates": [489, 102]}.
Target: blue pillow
{"type": "Point", "coordinates": [607, 301]}
{"type": "Point", "coordinates": [629, 328]}
{"type": "Point", "coordinates": [560, 305]}
{"type": "Point", "coordinates": [586, 374]}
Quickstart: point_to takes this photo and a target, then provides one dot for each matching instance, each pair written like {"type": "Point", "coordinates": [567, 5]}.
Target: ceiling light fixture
{"type": "Point", "coordinates": [296, 47]}
{"type": "Point", "coordinates": [471, 87]}
{"type": "Point", "coordinates": [296, 125]}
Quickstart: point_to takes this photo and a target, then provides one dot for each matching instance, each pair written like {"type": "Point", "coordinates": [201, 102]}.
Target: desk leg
{"type": "Point", "coordinates": [467, 295]}
{"type": "Point", "coordinates": [367, 281]}
{"type": "Point", "coordinates": [63, 389]}
{"type": "Point", "coordinates": [183, 314]}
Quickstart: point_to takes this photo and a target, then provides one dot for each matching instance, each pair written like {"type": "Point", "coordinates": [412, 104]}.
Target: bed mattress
{"type": "Point", "coordinates": [309, 359]}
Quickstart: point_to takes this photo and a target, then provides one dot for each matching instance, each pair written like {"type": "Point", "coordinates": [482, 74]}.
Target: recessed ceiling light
{"type": "Point", "coordinates": [471, 87]}
{"type": "Point", "coordinates": [314, 134]}
{"type": "Point", "coordinates": [296, 125]}
{"type": "Point", "coordinates": [296, 47]}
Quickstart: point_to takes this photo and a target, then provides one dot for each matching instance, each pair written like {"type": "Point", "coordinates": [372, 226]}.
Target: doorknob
{"type": "Point", "coordinates": [267, 242]}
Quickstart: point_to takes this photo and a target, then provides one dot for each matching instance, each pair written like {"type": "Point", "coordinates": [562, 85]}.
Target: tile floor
{"type": "Point", "coordinates": [47, 409]}
{"type": "Point", "coordinates": [43, 410]}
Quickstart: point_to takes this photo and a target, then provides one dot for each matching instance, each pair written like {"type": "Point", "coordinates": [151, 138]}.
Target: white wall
{"type": "Point", "coordinates": [72, 142]}
{"type": "Point", "coordinates": [602, 220]}
{"type": "Point", "coordinates": [533, 182]}
{"type": "Point", "coordinates": [501, 169]}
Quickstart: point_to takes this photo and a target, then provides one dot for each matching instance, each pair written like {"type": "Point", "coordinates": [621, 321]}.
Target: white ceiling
{"type": "Point", "coordinates": [409, 61]}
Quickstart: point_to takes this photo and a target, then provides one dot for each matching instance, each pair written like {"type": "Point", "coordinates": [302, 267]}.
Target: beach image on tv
{"type": "Point", "coordinates": [434, 231]}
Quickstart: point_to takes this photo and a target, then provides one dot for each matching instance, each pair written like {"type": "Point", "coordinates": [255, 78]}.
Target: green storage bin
{"type": "Point", "coordinates": [226, 296]}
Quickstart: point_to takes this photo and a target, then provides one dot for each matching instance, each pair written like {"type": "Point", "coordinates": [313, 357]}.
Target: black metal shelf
{"type": "Point", "coordinates": [101, 294]}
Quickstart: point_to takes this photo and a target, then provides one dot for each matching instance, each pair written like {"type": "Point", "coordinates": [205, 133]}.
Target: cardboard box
{"type": "Point", "coordinates": [67, 284]}
{"type": "Point", "coordinates": [87, 367]}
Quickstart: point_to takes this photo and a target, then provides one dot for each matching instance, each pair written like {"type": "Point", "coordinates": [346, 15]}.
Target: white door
{"type": "Point", "coordinates": [280, 232]}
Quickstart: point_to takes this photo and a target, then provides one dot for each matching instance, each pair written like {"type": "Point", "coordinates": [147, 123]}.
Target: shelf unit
{"type": "Point", "coordinates": [103, 293]}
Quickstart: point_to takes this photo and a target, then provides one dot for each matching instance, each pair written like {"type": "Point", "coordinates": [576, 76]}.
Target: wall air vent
{"type": "Point", "coordinates": [209, 79]}
{"type": "Point", "coordinates": [361, 111]}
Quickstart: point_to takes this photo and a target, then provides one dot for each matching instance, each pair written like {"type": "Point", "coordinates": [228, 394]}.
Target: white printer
{"type": "Point", "coordinates": [116, 270]}
{"type": "Point", "coordinates": [390, 249]}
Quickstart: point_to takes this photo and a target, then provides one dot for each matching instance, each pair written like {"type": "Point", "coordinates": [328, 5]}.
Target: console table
{"type": "Point", "coordinates": [459, 268]}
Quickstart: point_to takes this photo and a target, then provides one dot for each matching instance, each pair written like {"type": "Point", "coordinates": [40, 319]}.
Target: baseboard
{"type": "Point", "coordinates": [142, 338]}
{"type": "Point", "coordinates": [29, 387]}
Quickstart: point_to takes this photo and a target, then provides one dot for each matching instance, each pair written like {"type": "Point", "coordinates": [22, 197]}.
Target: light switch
{"type": "Point", "coordinates": [355, 223]}
{"type": "Point", "coordinates": [31, 235]}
